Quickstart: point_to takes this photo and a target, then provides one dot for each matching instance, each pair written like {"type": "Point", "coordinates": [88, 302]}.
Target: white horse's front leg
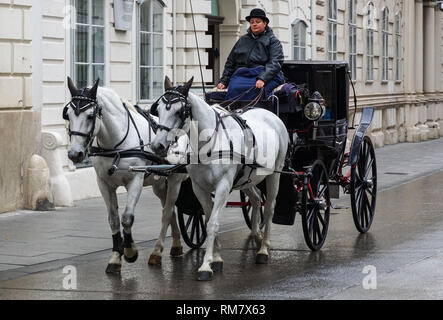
{"type": "Point", "coordinates": [134, 189]}
{"type": "Point", "coordinates": [110, 198]}
{"type": "Point", "coordinates": [212, 259]}
{"type": "Point", "coordinates": [168, 199]}
{"type": "Point", "coordinates": [272, 185]}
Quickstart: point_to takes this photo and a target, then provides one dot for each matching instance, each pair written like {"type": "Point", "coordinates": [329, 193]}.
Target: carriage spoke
{"type": "Point", "coordinates": [320, 194]}
{"type": "Point", "coordinates": [315, 229]}
{"type": "Point", "coordinates": [366, 213]}
{"type": "Point", "coordinates": [368, 169]}
{"type": "Point", "coordinates": [193, 229]}
{"type": "Point", "coordinates": [320, 180]}
{"type": "Point", "coordinates": [362, 213]}
{"type": "Point", "coordinates": [188, 222]}
{"type": "Point", "coordinates": [369, 205]}
{"type": "Point", "coordinates": [320, 218]}
{"type": "Point", "coordinates": [310, 222]}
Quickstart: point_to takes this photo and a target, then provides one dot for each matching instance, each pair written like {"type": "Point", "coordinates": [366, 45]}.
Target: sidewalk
{"type": "Point", "coordinates": [29, 238]}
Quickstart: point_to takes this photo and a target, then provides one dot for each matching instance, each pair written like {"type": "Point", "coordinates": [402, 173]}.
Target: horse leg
{"type": "Point", "coordinates": [217, 261]}
{"type": "Point", "coordinates": [159, 189]}
{"type": "Point", "coordinates": [168, 217]}
{"type": "Point", "coordinates": [212, 255]}
{"type": "Point", "coordinates": [174, 184]}
{"type": "Point", "coordinates": [134, 189]}
{"type": "Point", "coordinates": [110, 197]}
{"type": "Point", "coordinates": [272, 184]}
{"type": "Point", "coordinates": [255, 221]}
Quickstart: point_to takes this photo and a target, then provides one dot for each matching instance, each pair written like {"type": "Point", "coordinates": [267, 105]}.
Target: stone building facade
{"type": "Point", "coordinates": [394, 48]}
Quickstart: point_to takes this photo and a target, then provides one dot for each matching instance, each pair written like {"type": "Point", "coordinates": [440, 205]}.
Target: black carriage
{"type": "Point", "coordinates": [314, 105]}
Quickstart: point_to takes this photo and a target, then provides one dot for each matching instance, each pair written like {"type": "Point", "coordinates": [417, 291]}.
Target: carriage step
{"type": "Point", "coordinates": [339, 207]}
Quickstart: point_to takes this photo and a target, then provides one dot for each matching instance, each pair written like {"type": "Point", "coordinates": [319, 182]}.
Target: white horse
{"type": "Point", "coordinates": [178, 103]}
{"type": "Point", "coordinates": [99, 113]}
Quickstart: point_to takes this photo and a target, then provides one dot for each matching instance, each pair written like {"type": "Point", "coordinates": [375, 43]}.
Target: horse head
{"type": "Point", "coordinates": [172, 109]}
{"type": "Point", "coordinates": [81, 113]}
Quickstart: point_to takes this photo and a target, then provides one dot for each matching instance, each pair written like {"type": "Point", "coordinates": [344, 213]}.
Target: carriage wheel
{"type": "Point", "coordinates": [247, 210]}
{"type": "Point", "coordinates": [194, 229]}
{"type": "Point", "coordinates": [363, 187]}
{"type": "Point", "coordinates": [316, 205]}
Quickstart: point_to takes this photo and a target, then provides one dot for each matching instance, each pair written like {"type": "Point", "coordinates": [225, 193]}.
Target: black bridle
{"type": "Point", "coordinates": [184, 112]}
{"type": "Point", "coordinates": [97, 112]}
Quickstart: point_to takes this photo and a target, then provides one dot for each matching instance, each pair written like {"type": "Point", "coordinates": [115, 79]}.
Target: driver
{"type": "Point", "coordinates": [255, 60]}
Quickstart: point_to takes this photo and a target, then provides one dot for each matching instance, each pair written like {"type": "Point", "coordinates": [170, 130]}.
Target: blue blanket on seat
{"type": "Point", "coordinates": [245, 78]}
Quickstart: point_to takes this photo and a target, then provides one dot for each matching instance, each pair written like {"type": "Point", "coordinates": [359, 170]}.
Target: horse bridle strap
{"type": "Point", "coordinates": [77, 110]}
{"type": "Point", "coordinates": [185, 110]}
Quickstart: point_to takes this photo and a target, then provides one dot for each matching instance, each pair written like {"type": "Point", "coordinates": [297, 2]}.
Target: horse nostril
{"type": "Point", "coordinates": [158, 147]}
{"type": "Point", "coordinates": [72, 155]}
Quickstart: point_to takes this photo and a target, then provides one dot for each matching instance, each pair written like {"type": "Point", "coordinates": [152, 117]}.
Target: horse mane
{"type": "Point", "coordinates": [106, 95]}
{"type": "Point", "coordinates": [216, 107]}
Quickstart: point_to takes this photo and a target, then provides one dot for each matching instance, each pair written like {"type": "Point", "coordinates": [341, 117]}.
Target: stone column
{"type": "Point", "coordinates": [412, 132]}
{"type": "Point", "coordinates": [429, 68]}
{"type": "Point", "coordinates": [429, 47]}
{"type": "Point", "coordinates": [419, 45]}
{"type": "Point", "coordinates": [439, 69]}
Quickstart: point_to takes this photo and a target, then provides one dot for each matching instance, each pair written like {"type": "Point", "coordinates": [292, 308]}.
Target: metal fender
{"type": "Point", "coordinates": [365, 122]}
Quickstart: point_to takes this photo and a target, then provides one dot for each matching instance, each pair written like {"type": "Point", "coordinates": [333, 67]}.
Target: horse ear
{"type": "Point", "coordinates": [93, 91]}
{"type": "Point", "coordinates": [168, 83]}
{"type": "Point", "coordinates": [187, 86]}
{"type": "Point", "coordinates": [72, 88]}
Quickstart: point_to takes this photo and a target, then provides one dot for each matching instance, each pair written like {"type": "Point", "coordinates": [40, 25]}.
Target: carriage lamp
{"type": "Point", "coordinates": [314, 111]}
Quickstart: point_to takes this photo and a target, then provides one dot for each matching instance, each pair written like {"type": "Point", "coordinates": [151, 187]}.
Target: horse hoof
{"type": "Point", "coordinates": [204, 275]}
{"type": "Point", "coordinates": [261, 258]}
{"type": "Point", "coordinates": [217, 266]}
{"type": "Point", "coordinates": [113, 268]}
{"type": "Point", "coordinates": [132, 259]}
{"type": "Point", "coordinates": [155, 260]}
{"type": "Point", "coordinates": [176, 251]}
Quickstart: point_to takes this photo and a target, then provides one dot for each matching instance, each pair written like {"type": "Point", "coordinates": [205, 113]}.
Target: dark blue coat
{"type": "Point", "coordinates": [252, 51]}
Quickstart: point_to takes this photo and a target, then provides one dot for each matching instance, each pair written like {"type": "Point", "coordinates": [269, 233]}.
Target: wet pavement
{"type": "Point", "coordinates": [403, 249]}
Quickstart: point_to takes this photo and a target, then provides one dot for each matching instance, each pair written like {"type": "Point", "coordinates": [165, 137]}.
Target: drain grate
{"type": "Point", "coordinates": [398, 173]}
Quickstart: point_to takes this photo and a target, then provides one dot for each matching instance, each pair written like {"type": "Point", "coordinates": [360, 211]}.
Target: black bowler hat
{"type": "Point", "coordinates": [257, 13]}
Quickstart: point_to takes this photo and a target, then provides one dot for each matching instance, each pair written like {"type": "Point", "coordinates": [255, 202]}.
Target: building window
{"type": "Point", "coordinates": [150, 50]}
{"type": "Point", "coordinates": [370, 42]}
{"type": "Point", "coordinates": [353, 38]}
{"type": "Point", "coordinates": [332, 29]}
{"type": "Point", "coordinates": [398, 48]}
{"type": "Point", "coordinates": [385, 44]}
{"type": "Point", "coordinates": [299, 40]}
{"type": "Point", "coordinates": [88, 42]}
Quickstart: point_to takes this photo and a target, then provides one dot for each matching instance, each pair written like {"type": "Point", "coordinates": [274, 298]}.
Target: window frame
{"type": "Point", "coordinates": [398, 47]}
{"type": "Point", "coordinates": [138, 48]}
{"type": "Point", "coordinates": [332, 29]}
{"type": "Point", "coordinates": [90, 25]}
{"type": "Point", "coordinates": [352, 38]}
{"type": "Point", "coordinates": [370, 43]}
{"type": "Point", "coordinates": [385, 45]}
{"type": "Point", "coordinates": [299, 26]}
